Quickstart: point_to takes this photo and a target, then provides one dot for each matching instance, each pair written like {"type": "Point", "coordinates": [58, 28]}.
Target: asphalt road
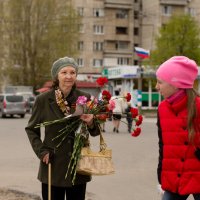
{"type": "Point", "coordinates": [135, 160]}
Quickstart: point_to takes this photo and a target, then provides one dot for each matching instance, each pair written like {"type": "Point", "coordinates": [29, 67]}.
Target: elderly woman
{"type": "Point", "coordinates": [55, 104]}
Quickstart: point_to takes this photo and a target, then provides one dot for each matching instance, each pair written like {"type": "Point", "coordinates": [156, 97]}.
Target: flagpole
{"type": "Point", "coordinates": [139, 98]}
{"type": "Point", "coordinates": [142, 54]}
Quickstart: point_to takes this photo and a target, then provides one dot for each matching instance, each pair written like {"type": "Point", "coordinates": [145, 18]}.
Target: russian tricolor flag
{"type": "Point", "coordinates": [142, 53]}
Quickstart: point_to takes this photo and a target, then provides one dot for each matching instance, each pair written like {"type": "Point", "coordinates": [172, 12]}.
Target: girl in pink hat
{"type": "Point", "coordinates": [178, 129]}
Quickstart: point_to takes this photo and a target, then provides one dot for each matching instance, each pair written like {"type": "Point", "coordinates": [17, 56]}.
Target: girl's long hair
{"type": "Point", "coordinates": [193, 114]}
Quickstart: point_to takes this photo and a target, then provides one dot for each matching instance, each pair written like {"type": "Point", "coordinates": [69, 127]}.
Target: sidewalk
{"type": "Point", "coordinates": [135, 161]}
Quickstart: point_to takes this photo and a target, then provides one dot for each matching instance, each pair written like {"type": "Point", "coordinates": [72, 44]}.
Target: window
{"type": "Point", "coordinates": [98, 29]}
{"type": "Point", "coordinates": [191, 12]}
{"type": "Point", "coordinates": [80, 45]}
{"type": "Point", "coordinates": [81, 28]}
{"type": "Point", "coordinates": [14, 98]}
{"type": "Point", "coordinates": [97, 63]}
{"type": "Point", "coordinates": [80, 62]}
{"type": "Point", "coordinates": [167, 10]}
{"type": "Point", "coordinates": [98, 46]}
{"type": "Point", "coordinates": [121, 30]}
{"type": "Point", "coordinates": [98, 12]}
{"type": "Point", "coordinates": [123, 61]}
{"type": "Point", "coordinates": [122, 14]}
{"type": "Point", "coordinates": [80, 11]}
{"type": "Point", "coordinates": [136, 14]}
{"type": "Point", "coordinates": [122, 45]}
{"type": "Point", "coordinates": [135, 62]}
{"type": "Point", "coordinates": [136, 31]}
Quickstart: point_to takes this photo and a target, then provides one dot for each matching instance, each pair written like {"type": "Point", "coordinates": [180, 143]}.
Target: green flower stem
{"type": "Point", "coordinates": [78, 144]}
{"type": "Point", "coordinates": [50, 123]}
{"type": "Point", "coordinates": [61, 141]}
{"type": "Point", "coordinates": [62, 133]}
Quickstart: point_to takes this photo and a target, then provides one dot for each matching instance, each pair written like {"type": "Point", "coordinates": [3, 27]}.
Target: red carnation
{"type": "Point", "coordinates": [134, 112]}
{"type": "Point", "coordinates": [128, 97]}
{"type": "Point", "coordinates": [136, 132]}
{"type": "Point", "coordinates": [139, 120]}
{"type": "Point", "coordinates": [106, 95]}
{"type": "Point", "coordinates": [102, 81]}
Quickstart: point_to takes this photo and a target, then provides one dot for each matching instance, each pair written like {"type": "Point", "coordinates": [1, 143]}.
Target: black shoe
{"type": "Point", "coordinates": [117, 131]}
{"type": "Point", "coordinates": [114, 129]}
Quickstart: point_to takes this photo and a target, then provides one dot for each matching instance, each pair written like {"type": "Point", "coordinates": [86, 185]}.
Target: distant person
{"type": "Point", "coordinates": [103, 123]}
{"type": "Point", "coordinates": [178, 129]}
{"type": "Point", "coordinates": [129, 117]}
{"type": "Point", "coordinates": [119, 109]}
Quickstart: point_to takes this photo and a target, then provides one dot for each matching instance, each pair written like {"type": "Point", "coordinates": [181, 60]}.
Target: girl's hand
{"type": "Point", "coordinates": [88, 118]}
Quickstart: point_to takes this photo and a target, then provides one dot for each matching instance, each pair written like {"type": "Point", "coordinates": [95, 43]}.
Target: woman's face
{"type": "Point", "coordinates": [165, 89]}
{"type": "Point", "coordinates": [67, 77]}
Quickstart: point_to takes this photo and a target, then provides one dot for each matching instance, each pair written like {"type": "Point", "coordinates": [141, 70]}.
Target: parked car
{"type": "Point", "coordinates": [12, 104]}
{"type": "Point", "coordinates": [29, 103]}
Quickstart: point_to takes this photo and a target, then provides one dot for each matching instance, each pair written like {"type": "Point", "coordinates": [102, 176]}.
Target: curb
{"type": "Point", "coordinates": [16, 195]}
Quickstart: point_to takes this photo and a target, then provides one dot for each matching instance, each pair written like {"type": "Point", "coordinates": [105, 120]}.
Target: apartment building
{"type": "Point", "coordinates": [110, 29]}
{"type": "Point", "coordinates": [157, 12]}
{"type": "Point", "coordinates": [107, 34]}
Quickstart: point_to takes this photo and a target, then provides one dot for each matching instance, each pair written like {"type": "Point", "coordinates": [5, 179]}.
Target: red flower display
{"type": "Point", "coordinates": [128, 97]}
{"type": "Point", "coordinates": [101, 81]}
{"type": "Point", "coordinates": [134, 112]}
{"type": "Point", "coordinates": [106, 95]}
{"type": "Point", "coordinates": [136, 132]}
{"type": "Point", "coordinates": [139, 120]}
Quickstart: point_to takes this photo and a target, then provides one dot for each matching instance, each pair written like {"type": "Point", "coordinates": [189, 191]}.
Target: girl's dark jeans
{"type": "Point", "coordinates": [174, 196]}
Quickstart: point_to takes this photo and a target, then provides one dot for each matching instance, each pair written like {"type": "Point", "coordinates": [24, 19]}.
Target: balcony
{"type": "Point", "coordinates": [174, 2]}
{"type": "Point", "coordinates": [123, 4]}
{"type": "Point", "coordinates": [118, 47]}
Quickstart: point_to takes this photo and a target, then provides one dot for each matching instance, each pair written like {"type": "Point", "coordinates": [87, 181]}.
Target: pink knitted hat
{"type": "Point", "coordinates": [179, 71]}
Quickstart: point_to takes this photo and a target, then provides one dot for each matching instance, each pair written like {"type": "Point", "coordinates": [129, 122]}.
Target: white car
{"type": "Point", "coordinates": [12, 104]}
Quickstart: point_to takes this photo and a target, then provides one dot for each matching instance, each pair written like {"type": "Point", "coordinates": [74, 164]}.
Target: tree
{"type": "Point", "coordinates": [38, 32]}
{"type": "Point", "coordinates": [1, 42]}
{"type": "Point", "coordinates": [180, 36]}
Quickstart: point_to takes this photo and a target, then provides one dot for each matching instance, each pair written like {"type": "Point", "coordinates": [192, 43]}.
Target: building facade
{"type": "Point", "coordinates": [111, 29]}
{"type": "Point", "coordinates": [106, 34]}
{"type": "Point", "coordinates": [156, 13]}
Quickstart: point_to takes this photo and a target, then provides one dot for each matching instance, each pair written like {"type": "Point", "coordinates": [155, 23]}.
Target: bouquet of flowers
{"type": "Point", "coordinates": [100, 108]}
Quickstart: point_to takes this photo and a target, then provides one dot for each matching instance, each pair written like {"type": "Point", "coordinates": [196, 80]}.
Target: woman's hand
{"type": "Point", "coordinates": [48, 157]}
{"type": "Point", "coordinates": [45, 159]}
{"type": "Point", "coordinates": [88, 118]}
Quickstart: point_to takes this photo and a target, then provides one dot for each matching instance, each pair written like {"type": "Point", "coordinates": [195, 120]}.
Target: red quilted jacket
{"type": "Point", "coordinates": [178, 168]}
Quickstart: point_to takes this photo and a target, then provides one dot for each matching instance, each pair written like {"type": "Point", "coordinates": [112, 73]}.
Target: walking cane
{"type": "Point", "coordinates": [49, 181]}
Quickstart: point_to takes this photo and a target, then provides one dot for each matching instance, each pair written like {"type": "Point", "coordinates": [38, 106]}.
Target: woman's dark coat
{"type": "Point", "coordinates": [46, 109]}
